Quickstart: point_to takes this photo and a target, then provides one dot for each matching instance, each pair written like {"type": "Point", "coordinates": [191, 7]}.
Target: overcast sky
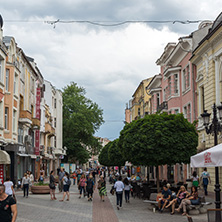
{"type": "Point", "coordinates": [109, 62]}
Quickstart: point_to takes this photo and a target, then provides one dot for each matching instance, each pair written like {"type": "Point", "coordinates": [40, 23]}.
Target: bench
{"type": "Point", "coordinates": [152, 200]}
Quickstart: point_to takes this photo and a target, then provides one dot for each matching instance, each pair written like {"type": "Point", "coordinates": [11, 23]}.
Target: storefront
{"type": "Point", "coordinates": [5, 161]}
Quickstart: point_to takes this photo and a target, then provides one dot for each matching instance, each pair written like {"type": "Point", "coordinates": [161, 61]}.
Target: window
{"type": "Point", "coordinates": [176, 88]}
{"type": "Point", "coordinates": [7, 80]}
{"type": "Point", "coordinates": [55, 141]}
{"type": "Point", "coordinates": [20, 134]}
{"type": "Point", "coordinates": [14, 120]}
{"type": "Point", "coordinates": [169, 85]}
{"type": "Point", "coordinates": [15, 84]}
{"type": "Point", "coordinates": [187, 112]}
{"type": "Point", "coordinates": [157, 99]}
{"type": "Point", "coordinates": [164, 94]}
{"type": "Point", "coordinates": [32, 85]}
{"type": "Point", "coordinates": [186, 78]}
{"type": "Point", "coordinates": [32, 110]}
{"type": "Point", "coordinates": [176, 111]}
{"type": "Point", "coordinates": [138, 111]}
{"type": "Point", "coordinates": [6, 117]}
{"type": "Point", "coordinates": [55, 103]}
{"type": "Point", "coordinates": [55, 122]}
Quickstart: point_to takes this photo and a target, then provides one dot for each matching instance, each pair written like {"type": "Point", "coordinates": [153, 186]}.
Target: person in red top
{"type": "Point", "coordinates": [74, 177]}
{"type": "Point", "coordinates": [82, 185]}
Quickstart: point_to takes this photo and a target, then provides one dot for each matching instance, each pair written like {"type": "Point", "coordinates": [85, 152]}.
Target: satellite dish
{"type": "Point", "coordinates": [1, 21]}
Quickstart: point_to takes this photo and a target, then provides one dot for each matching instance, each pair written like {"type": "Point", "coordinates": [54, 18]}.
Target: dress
{"type": "Point", "coordinates": [102, 189]}
{"type": "Point", "coordinates": [52, 182]}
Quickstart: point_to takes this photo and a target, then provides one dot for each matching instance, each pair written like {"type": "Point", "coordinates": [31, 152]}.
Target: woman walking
{"type": "Point", "coordinates": [25, 184]}
{"type": "Point", "coordinates": [90, 187]}
{"type": "Point", "coordinates": [126, 189]}
{"type": "Point", "coordinates": [82, 185]}
{"type": "Point", "coordinates": [119, 186]}
{"type": "Point", "coordinates": [66, 184]}
{"type": "Point", "coordinates": [102, 188]}
{"type": "Point", "coordinates": [52, 185]}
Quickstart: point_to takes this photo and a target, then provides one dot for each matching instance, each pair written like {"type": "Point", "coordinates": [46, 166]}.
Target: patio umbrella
{"type": "Point", "coordinates": [209, 158]}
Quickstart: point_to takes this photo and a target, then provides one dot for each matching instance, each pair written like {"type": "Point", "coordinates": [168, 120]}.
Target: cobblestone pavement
{"type": "Point", "coordinates": [41, 208]}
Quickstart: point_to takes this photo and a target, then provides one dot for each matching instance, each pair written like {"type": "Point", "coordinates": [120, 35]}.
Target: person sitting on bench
{"type": "Point", "coordinates": [166, 197]}
{"type": "Point", "coordinates": [182, 194]}
{"type": "Point", "coordinates": [193, 199]}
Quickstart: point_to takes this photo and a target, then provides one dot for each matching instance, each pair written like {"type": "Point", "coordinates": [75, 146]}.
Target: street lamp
{"type": "Point", "coordinates": [214, 128]}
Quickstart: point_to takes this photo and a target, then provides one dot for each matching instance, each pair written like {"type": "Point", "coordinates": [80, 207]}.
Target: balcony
{"type": "Point", "coordinates": [25, 117]}
{"type": "Point", "coordinates": [163, 107]}
{"type": "Point", "coordinates": [49, 129]}
{"type": "Point", "coordinates": [35, 122]}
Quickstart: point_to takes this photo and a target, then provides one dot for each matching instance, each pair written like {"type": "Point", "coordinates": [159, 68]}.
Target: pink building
{"type": "Point", "coordinates": [174, 90]}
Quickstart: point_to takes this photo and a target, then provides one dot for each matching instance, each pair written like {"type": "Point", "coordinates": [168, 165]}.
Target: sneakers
{"type": "Point", "coordinates": [117, 207]}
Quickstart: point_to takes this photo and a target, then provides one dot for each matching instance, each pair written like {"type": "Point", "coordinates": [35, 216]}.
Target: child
{"type": "Point", "coordinates": [41, 179]}
{"type": "Point", "coordinates": [74, 178]}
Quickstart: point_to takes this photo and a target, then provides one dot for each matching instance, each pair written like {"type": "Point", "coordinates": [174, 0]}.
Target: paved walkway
{"type": "Point", "coordinates": [41, 208]}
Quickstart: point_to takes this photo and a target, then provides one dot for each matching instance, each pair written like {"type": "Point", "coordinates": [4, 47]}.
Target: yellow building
{"type": "Point", "coordinates": [207, 58]}
{"type": "Point", "coordinates": [140, 103]}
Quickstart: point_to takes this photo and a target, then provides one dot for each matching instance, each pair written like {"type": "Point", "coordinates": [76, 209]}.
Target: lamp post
{"type": "Point", "coordinates": [214, 128]}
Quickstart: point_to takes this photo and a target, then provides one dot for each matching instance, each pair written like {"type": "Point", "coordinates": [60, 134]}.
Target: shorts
{"type": "Point", "coordinates": [66, 188]}
{"type": "Point", "coordinates": [162, 202]}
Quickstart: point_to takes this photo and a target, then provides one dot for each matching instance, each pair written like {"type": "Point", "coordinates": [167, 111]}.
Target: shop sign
{"type": "Point", "coordinates": [37, 137]}
{"type": "Point", "coordinates": [1, 174]}
{"type": "Point", "coordinates": [38, 100]}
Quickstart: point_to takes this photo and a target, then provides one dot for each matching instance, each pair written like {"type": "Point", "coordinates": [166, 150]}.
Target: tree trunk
{"type": "Point", "coordinates": [148, 174]}
{"type": "Point", "coordinates": [157, 179]}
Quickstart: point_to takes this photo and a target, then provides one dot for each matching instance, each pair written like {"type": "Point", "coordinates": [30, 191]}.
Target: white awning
{"type": "Point", "coordinates": [4, 157]}
{"type": "Point", "coordinates": [32, 156]}
{"type": "Point", "coordinates": [22, 154]}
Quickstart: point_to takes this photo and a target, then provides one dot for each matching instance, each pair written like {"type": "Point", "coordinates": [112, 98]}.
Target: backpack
{"type": "Point", "coordinates": [69, 182]}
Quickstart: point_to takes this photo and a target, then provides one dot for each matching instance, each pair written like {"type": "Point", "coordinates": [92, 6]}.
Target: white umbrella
{"type": "Point", "coordinates": [209, 158]}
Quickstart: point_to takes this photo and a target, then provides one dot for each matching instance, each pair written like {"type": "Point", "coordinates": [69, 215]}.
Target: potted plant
{"type": "Point", "coordinates": [40, 188]}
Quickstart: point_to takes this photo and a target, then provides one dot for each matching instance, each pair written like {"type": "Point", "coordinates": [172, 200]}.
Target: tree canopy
{"type": "Point", "coordinates": [81, 119]}
{"type": "Point", "coordinates": [159, 139]}
{"type": "Point", "coordinates": [111, 155]}
{"type": "Point", "coordinates": [103, 156]}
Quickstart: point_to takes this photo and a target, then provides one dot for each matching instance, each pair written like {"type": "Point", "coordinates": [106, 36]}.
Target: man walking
{"type": "Point", "coordinates": [8, 208]}
{"type": "Point", "coordinates": [206, 179]}
{"type": "Point", "coordinates": [61, 175]}
{"type": "Point", "coordinates": [119, 186]}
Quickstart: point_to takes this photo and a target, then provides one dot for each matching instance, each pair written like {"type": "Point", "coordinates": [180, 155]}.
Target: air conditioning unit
{"type": "Point", "coordinates": [28, 139]}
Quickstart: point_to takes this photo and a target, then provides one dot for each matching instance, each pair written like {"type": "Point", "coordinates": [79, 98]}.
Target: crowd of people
{"type": "Point", "coordinates": [87, 183]}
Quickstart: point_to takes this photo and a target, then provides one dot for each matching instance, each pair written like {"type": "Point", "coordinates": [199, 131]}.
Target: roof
{"type": "Point", "coordinates": [216, 25]}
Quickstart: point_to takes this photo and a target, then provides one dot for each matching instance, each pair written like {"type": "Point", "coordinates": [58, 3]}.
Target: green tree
{"type": "Point", "coordinates": [81, 119]}
{"type": "Point", "coordinates": [104, 155]}
{"type": "Point", "coordinates": [159, 139]}
{"type": "Point", "coordinates": [116, 158]}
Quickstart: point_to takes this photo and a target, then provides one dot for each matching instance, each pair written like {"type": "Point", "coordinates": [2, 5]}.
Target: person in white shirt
{"type": "Point", "coordinates": [119, 186]}
{"type": "Point", "coordinates": [9, 190]}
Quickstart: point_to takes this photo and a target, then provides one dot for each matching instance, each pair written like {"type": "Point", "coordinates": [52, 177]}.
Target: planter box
{"type": "Point", "coordinates": [40, 189]}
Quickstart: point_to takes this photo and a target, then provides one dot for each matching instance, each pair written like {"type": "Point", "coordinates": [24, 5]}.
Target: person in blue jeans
{"type": "Point", "coordinates": [119, 186]}
{"type": "Point", "coordinates": [25, 185]}
{"type": "Point", "coordinates": [205, 176]}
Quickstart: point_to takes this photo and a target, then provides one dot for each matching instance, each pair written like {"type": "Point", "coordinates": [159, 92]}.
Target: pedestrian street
{"type": "Point", "coordinates": [41, 208]}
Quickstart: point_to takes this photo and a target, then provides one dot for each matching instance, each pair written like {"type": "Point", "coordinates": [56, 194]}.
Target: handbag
{"type": "Point", "coordinates": [52, 186]}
